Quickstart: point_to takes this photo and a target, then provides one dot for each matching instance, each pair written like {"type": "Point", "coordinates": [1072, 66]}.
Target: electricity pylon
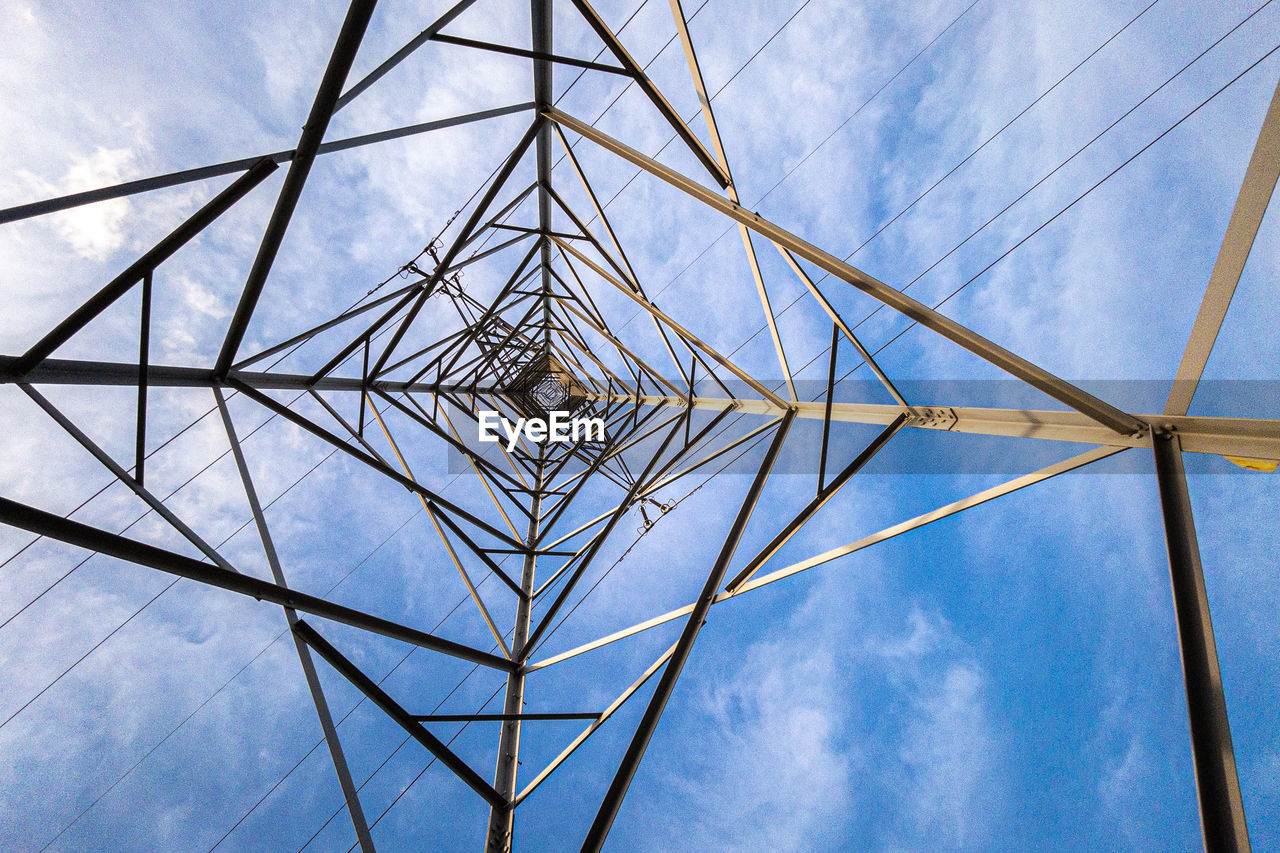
{"type": "Point", "coordinates": [543, 345]}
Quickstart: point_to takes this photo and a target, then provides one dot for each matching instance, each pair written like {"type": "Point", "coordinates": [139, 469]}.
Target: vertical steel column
{"type": "Point", "coordinates": [144, 360]}
{"type": "Point", "coordinates": [1222, 819]}
{"type": "Point", "coordinates": [502, 820]}
{"type": "Point", "coordinates": [540, 19]}
{"type": "Point", "coordinates": [826, 412]}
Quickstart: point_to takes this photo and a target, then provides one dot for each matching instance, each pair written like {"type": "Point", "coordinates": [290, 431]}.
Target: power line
{"type": "Point", "coordinates": [173, 583]}
{"type": "Point", "coordinates": [1085, 194]}
{"type": "Point", "coordinates": [217, 692]}
{"type": "Point", "coordinates": [358, 704]}
{"type": "Point", "coordinates": [1025, 193]}
{"type": "Point", "coordinates": [1063, 164]}
{"type": "Point", "coordinates": [888, 224]}
{"type": "Point", "coordinates": [798, 164]}
{"type": "Point", "coordinates": [1075, 201]}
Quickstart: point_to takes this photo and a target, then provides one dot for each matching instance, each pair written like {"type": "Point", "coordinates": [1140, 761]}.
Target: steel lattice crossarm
{"type": "Point", "coordinates": [430, 363]}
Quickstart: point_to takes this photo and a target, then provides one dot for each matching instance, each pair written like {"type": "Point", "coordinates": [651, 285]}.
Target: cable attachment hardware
{"type": "Point", "coordinates": [663, 509]}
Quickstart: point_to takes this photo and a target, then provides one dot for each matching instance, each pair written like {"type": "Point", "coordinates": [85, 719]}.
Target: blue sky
{"type": "Point", "coordinates": [1005, 679]}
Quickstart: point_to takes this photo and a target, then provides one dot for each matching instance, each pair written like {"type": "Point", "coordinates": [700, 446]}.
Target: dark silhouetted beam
{"type": "Point", "coordinates": [82, 535]}
{"type": "Point", "coordinates": [393, 709]}
{"type": "Point", "coordinates": [203, 173]}
{"type": "Point", "coordinates": [121, 284]}
{"type": "Point", "coordinates": [322, 108]}
{"type": "Point", "coordinates": [667, 683]}
{"type": "Point", "coordinates": [1217, 783]}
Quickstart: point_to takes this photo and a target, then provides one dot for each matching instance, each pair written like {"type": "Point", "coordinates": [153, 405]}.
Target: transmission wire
{"type": "Point", "coordinates": [216, 693]}
{"type": "Point", "coordinates": [359, 702]}
{"type": "Point", "coordinates": [1038, 183]}
{"type": "Point", "coordinates": [1082, 196]}
{"type": "Point", "coordinates": [863, 106]}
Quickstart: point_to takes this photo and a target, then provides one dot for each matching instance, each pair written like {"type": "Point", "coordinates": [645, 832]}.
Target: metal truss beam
{"type": "Point", "coordinates": [811, 509]}
{"type": "Point", "coordinates": [403, 53]}
{"type": "Point", "coordinates": [322, 108]}
{"type": "Point", "coordinates": [310, 333]}
{"type": "Point", "coordinates": [1248, 437]}
{"type": "Point", "coordinates": [231, 167]}
{"type": "Point", "coordinates": [1222, 820]}
{"type": "Point", "coordinates": [681, 331]}
{"type": "Point", "coordinates": [704, 99]}
{"type": "Point", "coordinates": [495, 186]}
{"type": "Point", "coordinates": [499, 718]}
{"type": "Point", "coordinates": [549, 616]}
{"type": "Point", "coordinates": [844, 550]}
{"type": "Point", "coordinates": [144, 362]}
{"type": "Point", "coordinates": [54, 371]}
{"type": "Point", "coordinates": [44, 523]}
{"type": "Point", "coordinates": [629, 273]}
{"type": "Point", "coordinates": [1251, 205]}
{"type": "Point", "coordinates": [591, 729]}
{"type": "Point", "coordinates": [122, 475]}
{"type": "Point", "coordinates": [1104, 413]}
{"type": "Point", "coordinates": [143, 267]}
{"type": "Point", "coordinates": [529, 54]}
{"type": "Point", "coordinates": [841, 325]}
{"type": "Point", "coordinates": [462, 572]}
{"type": "Point", "coordinates": [354, 810]}
{"type": "Point", "coordinates": [651, 92]}
{"type": "Point", "coordinates": [370, 460]}
{"type": "Point", "coordinates": [501, 829]}
{"type": "Point", "coordinates": [393, 709]}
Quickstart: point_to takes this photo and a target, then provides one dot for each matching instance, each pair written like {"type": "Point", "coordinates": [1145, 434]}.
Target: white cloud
{"type": "Point", "coordinates": [769, 773]}
{"type": "Point", "coordinates": [200, 299]}
{"type": "Point", "coordinates": [93, 231]}
{"type": "Point", "coordinates": [948, 752]}
{"type": "Point", "coordinates": [876, 732]}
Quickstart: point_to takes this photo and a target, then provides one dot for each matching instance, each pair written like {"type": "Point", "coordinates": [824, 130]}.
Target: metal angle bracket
{"type": "Point", "coordinates": [933, 417]}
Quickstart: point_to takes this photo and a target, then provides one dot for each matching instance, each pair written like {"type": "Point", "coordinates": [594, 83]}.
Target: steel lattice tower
{"type": "Point", "coordinates": [543, 346]}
